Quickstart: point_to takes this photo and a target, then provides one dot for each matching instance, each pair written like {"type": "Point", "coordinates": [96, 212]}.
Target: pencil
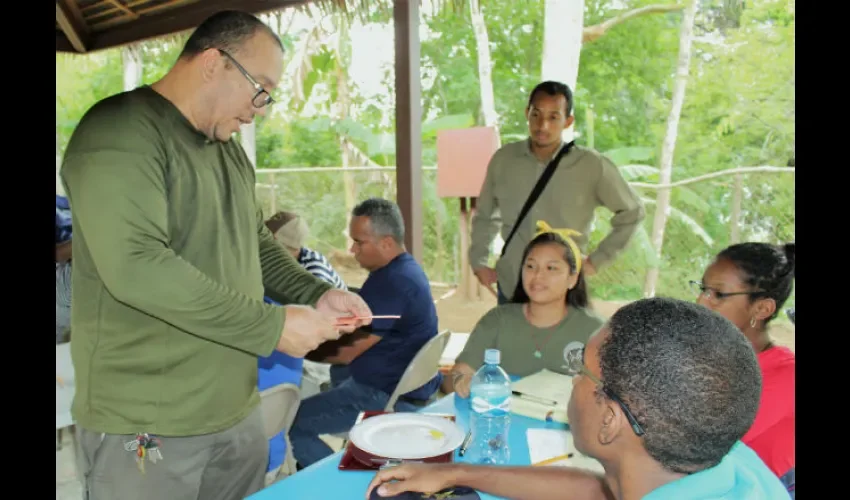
{"type": "Point", "coordinates": [350, 319]}
{"type": "Point", "coordinates": [554, 459]}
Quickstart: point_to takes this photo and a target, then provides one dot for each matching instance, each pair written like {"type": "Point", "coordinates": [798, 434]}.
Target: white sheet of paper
{"type": "Point", "coordinates": [544, 444]}
{"type": "Point", "coordinates": [455, 345]}
{"type": "Point", "coordinates": [547, 385]}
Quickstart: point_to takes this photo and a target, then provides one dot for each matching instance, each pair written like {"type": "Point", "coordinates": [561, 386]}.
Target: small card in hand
{"type": "Point", "coordinates": [456, 493]}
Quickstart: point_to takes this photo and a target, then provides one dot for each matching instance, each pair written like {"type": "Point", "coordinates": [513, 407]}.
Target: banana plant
{"type": "Point", "coordinates": [627, 160]}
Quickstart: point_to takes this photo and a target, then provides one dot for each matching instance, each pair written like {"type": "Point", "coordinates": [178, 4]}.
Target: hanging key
{"type": "Point", "coordinates": [152, 449]}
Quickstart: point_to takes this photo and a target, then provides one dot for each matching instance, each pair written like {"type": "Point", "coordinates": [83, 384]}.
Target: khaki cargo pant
{"type": "Point", "coordinates": [227, 465]}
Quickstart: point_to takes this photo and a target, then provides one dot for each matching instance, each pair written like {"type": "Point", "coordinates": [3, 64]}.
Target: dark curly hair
{"type": "Point", "coordinates": [765, 267]}
{"type": "Point", "coordinates": [687, 374]}
{"type": "Point", "coordinates": [577, 296]}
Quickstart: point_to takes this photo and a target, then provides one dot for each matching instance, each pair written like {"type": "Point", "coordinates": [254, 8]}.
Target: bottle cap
{"type": "Point", "coordinates": [492, 356]}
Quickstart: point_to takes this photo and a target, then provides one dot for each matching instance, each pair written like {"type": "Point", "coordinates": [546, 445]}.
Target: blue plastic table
{"type": "Point", "coordinates": [324, 480]}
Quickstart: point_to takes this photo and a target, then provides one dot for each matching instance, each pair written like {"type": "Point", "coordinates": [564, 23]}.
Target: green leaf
{"type": "Point", "coordinates": [683, 195]}
{"type": "Point", "coordinates": [639, 172]}
{"type": "Point", "coordinates": [430, 128]}
{"type": "Point", "coordinates": [642, 241]}
{"type": "Point", "coordinates": [686, 219]}
{"type": "Point", "coordinates": [319, 123]}
{"type": "Point", "coordinates": [623, 156]}
{"type": "Point", "coordinates": [381, 145]}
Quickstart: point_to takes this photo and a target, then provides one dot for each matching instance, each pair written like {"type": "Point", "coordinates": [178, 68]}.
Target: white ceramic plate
{"type": "Point", "coordinates": [406, 436]}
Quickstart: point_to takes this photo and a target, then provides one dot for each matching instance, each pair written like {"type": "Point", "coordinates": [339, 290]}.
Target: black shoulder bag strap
{"type": "Point", "coordinates": [538, 188]}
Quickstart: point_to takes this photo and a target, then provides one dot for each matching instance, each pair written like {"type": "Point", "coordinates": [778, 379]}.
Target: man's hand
{"type": "Point", "coordinates": [337, 303]}
{"type": "Point", "coordinates": [461, 383]}
{"type": "Point", "coordinates": [422, 478]}
{"type": "Point", "coordinates": [486, 276]}
{"type": "Point", "coordinates": [63, 251]}
{"type": "Point", "coordinates": [304, 330]}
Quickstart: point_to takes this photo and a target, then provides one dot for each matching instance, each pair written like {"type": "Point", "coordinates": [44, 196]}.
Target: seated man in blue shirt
{"type": "Point", "coordinates": [376, 357]}
{"type": "Point", "coordinates": [662, 395]}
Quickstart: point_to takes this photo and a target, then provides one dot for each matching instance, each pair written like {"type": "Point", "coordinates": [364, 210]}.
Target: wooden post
{"type": "Point", "coordinates": [469, 285]}
{"type": "Point", "coordinates": [408, 114]}
{"type": "Point", "coordinates": [476, 289]}
{"type": "Point", "coordinates": [465, 270]}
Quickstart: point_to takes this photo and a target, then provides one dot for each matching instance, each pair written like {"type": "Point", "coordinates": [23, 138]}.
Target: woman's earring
{"type": "Point", "coordinates": [753, 322]}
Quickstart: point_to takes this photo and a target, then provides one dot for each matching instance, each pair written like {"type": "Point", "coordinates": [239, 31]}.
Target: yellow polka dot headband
{"type": "Point", "coordinates": [566, 234]}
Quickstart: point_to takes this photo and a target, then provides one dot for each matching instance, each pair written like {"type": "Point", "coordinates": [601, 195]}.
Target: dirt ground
{"type": "Point", "coordinates": [458, 314]}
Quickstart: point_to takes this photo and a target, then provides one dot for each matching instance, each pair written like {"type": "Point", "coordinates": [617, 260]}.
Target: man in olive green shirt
{"type": "Point", "coordinates": [583, 181]}
{"type": "Point", "coordinates": [171, 263]}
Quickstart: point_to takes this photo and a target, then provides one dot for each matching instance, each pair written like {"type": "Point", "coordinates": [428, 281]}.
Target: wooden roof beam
{"type": "Point", "coordinates": [71, 22]}
{"type": "Point", "coordinates": [170, 21]}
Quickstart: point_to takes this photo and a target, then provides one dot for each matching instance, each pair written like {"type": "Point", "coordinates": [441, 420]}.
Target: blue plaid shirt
{"type": "Point", "coordinates": [63, 219]}
{"type": "Point", "coordinates": [63, 270]}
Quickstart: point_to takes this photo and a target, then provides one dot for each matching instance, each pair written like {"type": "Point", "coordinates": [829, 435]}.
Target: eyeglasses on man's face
{"type": "Point", "coordinates": [262, 97]}
{"type": "Point", "coordinates": [576, 366]}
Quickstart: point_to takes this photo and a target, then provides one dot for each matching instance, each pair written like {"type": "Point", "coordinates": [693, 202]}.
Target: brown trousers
{"type": "Point", "coordinates": [228, 465]}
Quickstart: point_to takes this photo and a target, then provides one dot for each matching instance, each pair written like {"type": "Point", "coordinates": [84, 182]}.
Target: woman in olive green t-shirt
{"type": "Point", "coordinates": [549, 309]}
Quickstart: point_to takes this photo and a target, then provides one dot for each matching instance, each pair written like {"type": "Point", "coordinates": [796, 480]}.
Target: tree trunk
{"type": "Point", "coordinates": [343, 108]}
{"type": "Point", "coordinates": [594, 32]}
{"type": "Point", "coordinates": [662, 204]}
{"type": "Point", "coordinates": [132, 57]}
{"type": "Point", "coordinates": [343, 102]}
{"type": "Point", "coordinates": [485, 65]}
{"type": "Point", "coordinates": [562, 36]}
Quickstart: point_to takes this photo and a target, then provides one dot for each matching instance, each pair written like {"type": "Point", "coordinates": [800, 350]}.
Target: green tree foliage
{"type": "Point", "coordinates": [739, 111]}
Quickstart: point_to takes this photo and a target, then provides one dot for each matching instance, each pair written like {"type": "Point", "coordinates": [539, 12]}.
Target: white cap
{"type": "Point", "coordinates": [492, 356]}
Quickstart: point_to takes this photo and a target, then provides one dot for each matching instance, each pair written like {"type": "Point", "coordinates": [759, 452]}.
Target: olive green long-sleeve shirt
{"type": "Point", "coordinates": [171, 258]}
{"type": "Point", "coordinates": [583, 181]}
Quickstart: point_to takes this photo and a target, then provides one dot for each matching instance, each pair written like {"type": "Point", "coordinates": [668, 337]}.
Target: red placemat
{"type": "Point", "coordinates": [348, 462]}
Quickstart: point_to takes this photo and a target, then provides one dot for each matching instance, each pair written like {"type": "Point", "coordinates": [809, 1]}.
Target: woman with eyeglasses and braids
{"type": "Point", "coordinates": [748, 283]}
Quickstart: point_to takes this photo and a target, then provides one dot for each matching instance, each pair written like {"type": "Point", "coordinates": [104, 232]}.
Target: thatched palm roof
{"type": "Point", "coordinates": [90, 25]}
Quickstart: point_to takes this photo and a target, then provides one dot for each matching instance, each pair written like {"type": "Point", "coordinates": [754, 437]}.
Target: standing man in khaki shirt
{"type": "Point", "coordinates": [582, 181]}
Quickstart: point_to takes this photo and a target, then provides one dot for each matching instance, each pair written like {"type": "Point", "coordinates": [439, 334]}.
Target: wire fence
{"type": "Point", "coordinates": [706, 214]}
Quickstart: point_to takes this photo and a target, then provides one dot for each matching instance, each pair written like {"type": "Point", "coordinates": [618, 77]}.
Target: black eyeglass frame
{"type": "Point", "coordinates": [575, 365]}
{"type": "Point", "coordinates": [267, 100]}
{"type": "Point", "coordinates": [718, 296]}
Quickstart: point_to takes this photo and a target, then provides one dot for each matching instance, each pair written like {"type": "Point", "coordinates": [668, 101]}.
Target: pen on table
{"type": "Point", "coordinates": [534, 398]}
{"type": "Point", "coordinates": [465, 444]}
{"type": "Point", "coordinates": [554, 459]}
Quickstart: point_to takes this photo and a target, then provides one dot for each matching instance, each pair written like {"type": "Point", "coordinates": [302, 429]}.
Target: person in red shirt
{"type": "Point", "coordinates": [748, 283]}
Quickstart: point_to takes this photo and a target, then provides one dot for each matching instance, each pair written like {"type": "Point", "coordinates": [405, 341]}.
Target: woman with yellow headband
{"type": "Point", "coordinates": [548, 310]}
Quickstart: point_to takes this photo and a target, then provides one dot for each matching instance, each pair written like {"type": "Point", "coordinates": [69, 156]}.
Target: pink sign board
{"type": "Point", "coordinates": [462, 158]}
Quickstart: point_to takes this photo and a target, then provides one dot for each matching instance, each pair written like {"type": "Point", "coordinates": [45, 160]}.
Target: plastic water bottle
{"type": "Point", "coordinates": [490, 412]}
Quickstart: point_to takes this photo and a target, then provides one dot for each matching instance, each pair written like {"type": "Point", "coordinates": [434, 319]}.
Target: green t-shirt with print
{"type": "Point", "coordinates": [506, 328]}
